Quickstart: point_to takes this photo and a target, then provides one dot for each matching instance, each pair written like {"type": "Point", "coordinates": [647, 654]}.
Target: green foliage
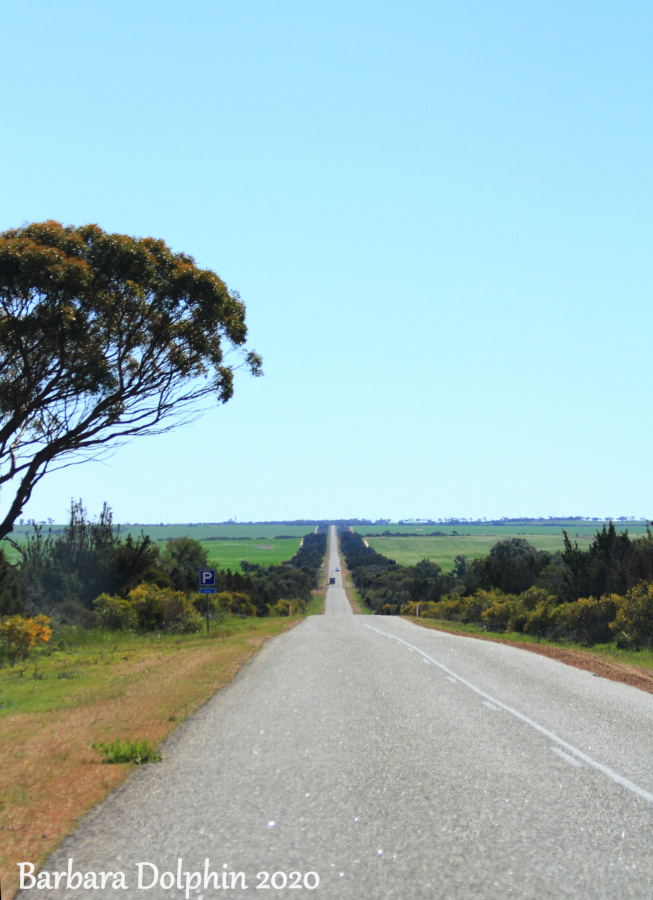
{"type": "Point", "coordinates": [138, 752]}
{"type": "Point", "coordinates": [386, 587]}
{"type": "Point", "coordinates": [235, 604]}
{"type": "Point", "coordinates": [182, 559]}
{"type": "Point", "coordinates": [116, 613]}
{"type": "Point", "coordinates": [226, 603]}
{"type": "Point", "coordinates": [587, 621]}
{"type": "Point", "coordinates": [162, 609]}
{"type": "Point", "coordinates": [86, 560]}
{"type": "Point", "coordinates": [512, 567]}
{"type": "Point", "coordinates": [150, 608]}
{"type": "Point", "coordinates": [613, 563]}
{"type": "Point", "coordinates": [296, 578]}
{"type": "Point", "coordinates": [11, 590]}
{"type": "Point", "coordinates": [102, 337]}
{"type": "Point", "coordinates": [294, 607]}
{"type": "Point", "coordinates": [633, 623]}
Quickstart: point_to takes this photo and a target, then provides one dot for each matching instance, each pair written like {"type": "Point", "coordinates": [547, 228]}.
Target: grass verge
{"type": "Point", "coordinates": [606, 660]}
{"type": "Point", "coordinates": [316, 606]}
{"type": "Point", "coordinates": [98, 688]}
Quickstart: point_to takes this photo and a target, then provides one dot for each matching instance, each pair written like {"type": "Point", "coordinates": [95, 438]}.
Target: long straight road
{"type": "Point", "coordinates": [395, 762]}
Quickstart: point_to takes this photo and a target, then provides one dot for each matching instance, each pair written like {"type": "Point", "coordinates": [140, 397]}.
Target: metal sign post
{"type": "Point", "coordinates": [207, 586]}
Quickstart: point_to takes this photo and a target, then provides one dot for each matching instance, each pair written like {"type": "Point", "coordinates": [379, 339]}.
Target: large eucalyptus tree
{"type": "Point", "coordinates": [104, 337]}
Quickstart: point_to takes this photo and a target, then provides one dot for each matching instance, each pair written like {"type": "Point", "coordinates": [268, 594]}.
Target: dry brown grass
{"type": "Point", "coordinates": [50, 776]}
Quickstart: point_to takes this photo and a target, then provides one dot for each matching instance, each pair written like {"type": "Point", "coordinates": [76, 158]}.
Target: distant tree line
{"type": "Point", "coordinates": [588, 595]}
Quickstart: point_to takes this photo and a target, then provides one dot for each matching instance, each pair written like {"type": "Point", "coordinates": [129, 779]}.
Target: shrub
{"type": "Point", "coordinates": [19, 636]}
{"type": "Point", "coordinates": [447, 608]}
{"type": "Point", "coordinates": [149, 603]}
{"type": "Point", "coordinates": [498, 616]}
{"type": "Point", "coordinates": [539, 622]}
{"type": "Point", "coordinates": [150, 608]}
{"type": "Point", "coordinates": [182, 559]}
{"type": "Point", "coordinates": [226, 602]}
{"type": "Point", "coordinates": [633, 623]}
{"type": "Point", "coordinates": [425, 609]}
{"type": "Point", "coordinates": [586, 621]}
{"type": "Point", "coordinates": [116, 613]}
{"type": "Point", "coordinates": [181, 616]}
{"type": "Point", "coordinates": [237, 604]}
{"type": "Point", "coordinates": [294, 607]}
{"type": "Point", "coordinates": [119, 751]}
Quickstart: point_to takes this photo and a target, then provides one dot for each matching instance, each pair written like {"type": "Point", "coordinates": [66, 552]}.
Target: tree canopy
{"type": "Point", "coordinates": [104, 337]}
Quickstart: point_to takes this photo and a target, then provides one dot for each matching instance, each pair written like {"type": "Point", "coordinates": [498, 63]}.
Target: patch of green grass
{"type": "Point", "coordinates": [139, 752]}
{"type": "Point", "coordinates": [95, 656]}
{"type": "Point", "coordinates": [315, 607]}
{"type": "Point", "coordinates": [477, 540]}
{"type": "Point", "coordinates": [520, 529]}
{"type": "Point", "coordinates": [356, 597]}
{"type": "Point", "coordinates": [268, 552]}
{"type": "Point", "coordinates": [225, 552]}
{"type": "Point", "coordinates": [407, 551]}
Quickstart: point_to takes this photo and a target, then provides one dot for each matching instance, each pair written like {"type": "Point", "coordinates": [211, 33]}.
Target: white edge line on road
{"type": "Point", "coordinates": [610, 773]}
{"type": "Point", "coordinates": [567, 757]}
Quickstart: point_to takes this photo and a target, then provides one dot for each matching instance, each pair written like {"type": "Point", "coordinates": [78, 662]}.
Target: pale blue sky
{"type": "Point", "coordinates": [439, 216]}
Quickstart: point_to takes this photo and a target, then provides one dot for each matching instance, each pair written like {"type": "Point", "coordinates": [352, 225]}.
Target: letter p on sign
{"type": "Point", "coordinates": [207, 577]}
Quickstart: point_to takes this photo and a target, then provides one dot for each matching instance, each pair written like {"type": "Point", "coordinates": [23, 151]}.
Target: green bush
{"type": "Point", "coordinates": [119, 751]}
{"type": "Point", "coordinates": [294, 607]}
{"type": "Point", "coordinates": [116, 614]}
{"type": "Point", "coordinates": [150, 608]}
{"type": "Point", "coordinates": [539, 622]}
{"type": "Point", "coordinates": [226, 602]}
{"type": "Point", "coordinates": [181, 616]}
{"type": "Point", "coordinates": [448, 608]}
{"type": "Point", "coordinates": [586, 621]}
{"type": "Point", "coordinates": [499, 615]}
{"type": "Point", "coordinates": [633, 623]}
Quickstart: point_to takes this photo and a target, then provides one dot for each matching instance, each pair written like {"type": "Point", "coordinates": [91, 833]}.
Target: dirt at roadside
{"type": "Point", "coordinates": [636, 676]}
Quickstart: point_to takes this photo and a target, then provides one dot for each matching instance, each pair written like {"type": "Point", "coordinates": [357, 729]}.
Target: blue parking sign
{"type": "Point", "coordinates": [207, 578]}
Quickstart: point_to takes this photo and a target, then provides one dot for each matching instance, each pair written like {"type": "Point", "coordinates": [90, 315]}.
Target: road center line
{"type": "Point", "coordinates": [609, 773]}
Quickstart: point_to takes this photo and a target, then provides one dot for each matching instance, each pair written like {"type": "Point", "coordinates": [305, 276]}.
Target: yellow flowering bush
{"type": "Point", "coordinates": [19, 636]}
{"type": "Point", "coordinates": [295, 607]}
{"type": "Point", "coordinates": [633, 624]}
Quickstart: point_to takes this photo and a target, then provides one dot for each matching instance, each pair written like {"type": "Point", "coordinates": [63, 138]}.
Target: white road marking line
{"type": "Point", "coordinates": [452, 680]}
{"type": "Point", "coordinates": [567, 757]}
{"type": "Point", "coordinates": [490, 705]}
{"type": "Point", "coordinates": [609, 773]}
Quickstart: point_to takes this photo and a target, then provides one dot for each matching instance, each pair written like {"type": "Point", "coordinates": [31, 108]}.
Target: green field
{"type": "Point", "coordinates": [475, 540]}
{"type": "Point", "coordinates": [197, 531]}
{"type": "Point", "coordinates": [509, 529]}
{"type": "Point", "coordinates": [264, 544]}
{"type": "Point", "coordinates": [229, 554]}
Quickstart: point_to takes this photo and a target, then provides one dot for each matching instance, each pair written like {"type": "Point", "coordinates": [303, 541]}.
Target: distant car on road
{"type": "Point", "coordinates": [332, 581]}
{"type": "Point", "coordinates": [337, 570]}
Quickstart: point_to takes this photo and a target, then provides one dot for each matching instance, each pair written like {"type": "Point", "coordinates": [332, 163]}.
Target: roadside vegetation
{"type": "Point", "coordinates": [599, 595]}
{"type": "Point", "coordinates": [104, 650]}
{"type": "Point", "coordinates": [88, 705]}
{"type": "Point", "coordinates": [86, 575]}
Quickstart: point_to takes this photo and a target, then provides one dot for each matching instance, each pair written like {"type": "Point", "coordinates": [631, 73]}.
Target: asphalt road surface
{"type": "Point", "coordinates": [394, 762]}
